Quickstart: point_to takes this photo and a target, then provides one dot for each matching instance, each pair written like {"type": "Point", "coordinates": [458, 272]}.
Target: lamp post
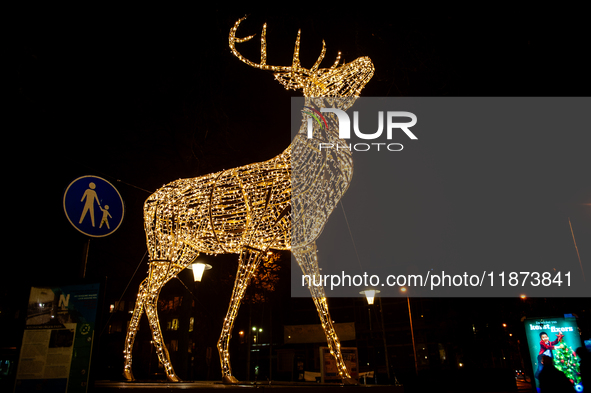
{"type": "Point", "coordinates": [251, 343]}
{"type": "Point", "coordinates": [198, 268]}
{"type": "Point", "coordinates": [256, 332]}
{"type": "Point", "coordinates": [412, 332]}
{"type": "Point", "coordinates": [370, 295]}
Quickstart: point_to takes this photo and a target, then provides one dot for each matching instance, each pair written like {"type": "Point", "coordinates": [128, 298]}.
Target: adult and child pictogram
{"type": "Point", "coordinates": [89, 200]}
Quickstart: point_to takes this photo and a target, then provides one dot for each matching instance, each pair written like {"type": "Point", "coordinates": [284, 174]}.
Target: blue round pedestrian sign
{"type": "Point", "coordinates": [93, 206]}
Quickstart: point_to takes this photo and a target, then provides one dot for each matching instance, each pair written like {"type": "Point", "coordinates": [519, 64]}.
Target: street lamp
{"type": "Point", "coordinates": [412, 332]}
{"type": "Point", "coordinates": [370, 295]}
{"type": "Point", "coordinates": [198, 269]}
{"type": "Point", "coordinates": [255, 333]}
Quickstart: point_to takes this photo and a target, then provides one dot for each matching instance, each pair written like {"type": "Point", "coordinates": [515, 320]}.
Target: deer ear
{"type": "Point", "coordinates": [289, 80]}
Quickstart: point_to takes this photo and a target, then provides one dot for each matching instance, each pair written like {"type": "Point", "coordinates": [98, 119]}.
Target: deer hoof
{"type": "Point", "coordinates": [349, 381]}
{"type": "Point", "coordinates": [128, 375]}
{"type": "Point", "coordinates": [173, 378]}
{"type": "Point", "coordinates": [230, 380]}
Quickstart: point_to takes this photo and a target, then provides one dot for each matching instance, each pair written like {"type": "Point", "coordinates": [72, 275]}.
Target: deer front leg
{"type": "Point", "coordinates": [308, 261]}
{"type": "Point", "coordinates": [247, 264]}
{"type": "Point", "coordinates": [161, 351]}
{"type": "Point", "coordinates": [132, 330]}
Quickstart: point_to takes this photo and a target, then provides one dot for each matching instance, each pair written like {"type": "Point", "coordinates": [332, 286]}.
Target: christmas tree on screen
{"type": "Point", "coordinates": [567, 361]}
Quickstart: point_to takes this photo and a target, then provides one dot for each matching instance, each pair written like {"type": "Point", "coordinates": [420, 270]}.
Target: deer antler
{"type": "Point", "coordinates": [295, 67]}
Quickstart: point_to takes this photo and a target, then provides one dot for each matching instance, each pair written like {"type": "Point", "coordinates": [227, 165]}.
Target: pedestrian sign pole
{"type": "Point", "coordinates": [93, 206]}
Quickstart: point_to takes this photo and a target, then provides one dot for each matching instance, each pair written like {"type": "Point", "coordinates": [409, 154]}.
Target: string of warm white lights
{"type": "Point", "coordinates": [308, 262]}
{"type": "Point", "coordinates": [282, 203]}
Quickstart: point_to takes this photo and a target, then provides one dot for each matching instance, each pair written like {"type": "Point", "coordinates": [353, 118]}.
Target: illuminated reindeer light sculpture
{"type": "Point", "coordinates": [282, 203]}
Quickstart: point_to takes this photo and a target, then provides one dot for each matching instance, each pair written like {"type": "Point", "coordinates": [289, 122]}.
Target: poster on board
{"type": "Point", "coordinates": [57, 341]}
{"type": "Point", "coordinates": [557, 339]}
{"type": "Point", "coordinates": [328, 365]}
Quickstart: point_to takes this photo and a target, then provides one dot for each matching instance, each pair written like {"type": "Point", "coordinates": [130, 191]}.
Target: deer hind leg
{"type": "Point", "coordinates": [132, 329]}
{"type": "Point", "coordinates": [308, 261]}
{"type": "Point", "coordinates": [247, 264]}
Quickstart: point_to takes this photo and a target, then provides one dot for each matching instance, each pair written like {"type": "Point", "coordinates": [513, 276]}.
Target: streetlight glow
{"type": "Point", "coordinates": [370, 295]}
{"type": "Point", "coordinates": [198, 269]}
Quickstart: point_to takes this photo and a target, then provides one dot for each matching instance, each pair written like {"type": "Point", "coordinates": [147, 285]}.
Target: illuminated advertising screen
{"type": "Point", "coordinates": [554, 340]}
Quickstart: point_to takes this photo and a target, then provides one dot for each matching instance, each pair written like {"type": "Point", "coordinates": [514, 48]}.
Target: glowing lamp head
{"type": "Point", "coordinates": [198, 269]}
{"type": "Point", "coordinates": [370, 295]}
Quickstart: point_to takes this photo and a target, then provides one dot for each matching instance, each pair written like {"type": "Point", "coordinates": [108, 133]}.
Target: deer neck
{"type": "Point", "coordinates": [324, 158]}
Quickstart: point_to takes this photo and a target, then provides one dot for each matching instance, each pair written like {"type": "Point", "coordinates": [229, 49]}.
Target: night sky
{"type": "Point", "coordinates": [144, 98]}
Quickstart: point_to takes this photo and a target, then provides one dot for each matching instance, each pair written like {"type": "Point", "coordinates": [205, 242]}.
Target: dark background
{"type": "Point", "coordinates": [142, 97]}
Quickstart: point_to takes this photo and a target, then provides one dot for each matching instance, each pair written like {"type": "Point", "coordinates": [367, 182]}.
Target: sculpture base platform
{"type": "Point", "coordinates": [214, 387]}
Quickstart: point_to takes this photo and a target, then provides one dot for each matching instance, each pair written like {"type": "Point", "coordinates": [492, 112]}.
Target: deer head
{"type": "Point", "coordinates": [338, 81]}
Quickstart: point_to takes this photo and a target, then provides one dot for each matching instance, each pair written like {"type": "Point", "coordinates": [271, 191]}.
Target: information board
{"type": "Point", "coordinates": [57, 343]}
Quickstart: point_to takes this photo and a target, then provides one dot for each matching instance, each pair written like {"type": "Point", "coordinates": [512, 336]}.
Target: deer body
{"type": "Point", "coordinates": [222, 212]}
{"type": "Point", "coordinates": [281, 203]}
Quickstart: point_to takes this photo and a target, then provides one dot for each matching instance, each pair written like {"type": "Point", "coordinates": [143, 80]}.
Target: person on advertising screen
{"type": "Point", "coordinates": [546, 347]}
{"type": "Point", "coordinates": [552, 380]}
